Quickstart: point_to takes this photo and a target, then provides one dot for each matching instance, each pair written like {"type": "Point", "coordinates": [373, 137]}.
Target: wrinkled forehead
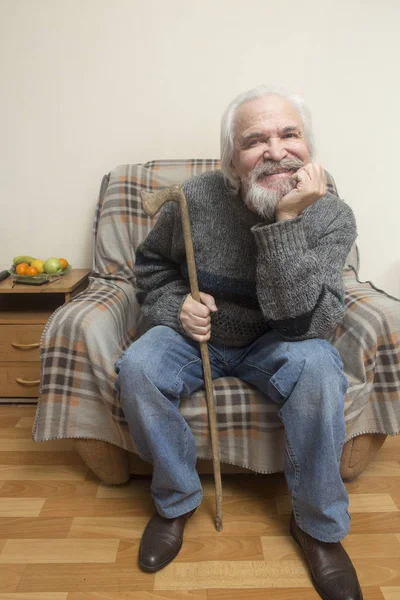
{"type": "Point", "coordinates": [267, 113]}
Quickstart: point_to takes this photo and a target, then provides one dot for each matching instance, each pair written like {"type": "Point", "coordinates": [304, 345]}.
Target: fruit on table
{"type": "Point", "coordinates": [32, 271]}
{"type": "Point", "coordinates": [52, 265]}
{"type": "Point", "coordinates": [23, 258]}
{"type": "Point", "coordinates": [39, 264]}
{"type": "Point", "coordinates": [64, 262]}
{"type": "Point", "coordinates": [21, 268]}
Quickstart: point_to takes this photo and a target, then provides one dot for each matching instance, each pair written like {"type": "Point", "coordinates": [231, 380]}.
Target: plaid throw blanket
{"type": "Point", "coordinates": [83, 339]}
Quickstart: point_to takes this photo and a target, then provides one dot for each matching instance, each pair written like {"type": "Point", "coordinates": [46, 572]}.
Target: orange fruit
{"type": "Point", "coordinates": [22, 268]}
{"type": "Point", "coordinates": [64, 262]}
{"type": "Point", "coordinates": [32, 271]}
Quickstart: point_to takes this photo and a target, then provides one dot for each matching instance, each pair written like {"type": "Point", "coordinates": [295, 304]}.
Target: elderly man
{"type": "Point", "coordinates": [270, 246]}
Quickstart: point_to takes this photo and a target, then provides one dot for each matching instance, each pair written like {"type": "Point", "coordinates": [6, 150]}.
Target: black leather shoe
{"type": "Point", "coordinates": [161, 541]}
{"type": "Point", "coordinates": [332, 572]}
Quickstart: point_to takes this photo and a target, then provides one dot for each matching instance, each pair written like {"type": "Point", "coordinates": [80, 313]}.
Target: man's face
{"type": "Point", "coordinates": [269, 146]}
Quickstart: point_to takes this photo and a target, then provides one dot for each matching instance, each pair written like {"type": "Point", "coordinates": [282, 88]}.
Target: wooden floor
{"type": "Point", "coordinates": [66, 536]}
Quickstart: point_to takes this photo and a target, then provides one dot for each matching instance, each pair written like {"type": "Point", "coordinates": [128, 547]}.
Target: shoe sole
{"type": "Point", "coordinates": [320, 592]}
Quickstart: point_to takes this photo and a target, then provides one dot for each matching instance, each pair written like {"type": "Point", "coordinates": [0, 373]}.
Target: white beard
{"type": "Point", "coordinates": [264, 200]}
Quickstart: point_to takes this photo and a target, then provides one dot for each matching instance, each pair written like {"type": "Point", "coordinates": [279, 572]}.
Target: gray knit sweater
{"type": "Point", "coordinates": [285, 276]}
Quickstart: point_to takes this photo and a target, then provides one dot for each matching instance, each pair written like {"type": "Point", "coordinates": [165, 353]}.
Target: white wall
{"type": "Point", "coordinates": [90, 84]}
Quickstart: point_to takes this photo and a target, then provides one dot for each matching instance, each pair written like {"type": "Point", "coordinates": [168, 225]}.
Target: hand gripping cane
{"type": "Point", "coordinates": [152, 203]}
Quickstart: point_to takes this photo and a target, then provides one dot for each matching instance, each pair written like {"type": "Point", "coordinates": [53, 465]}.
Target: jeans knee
{"type": "Point", "coordinates": [321, 358]}
{"type": "Point", "coordinates": [136, 368]}
{"type": "Point", "coordinates": [148, 364]}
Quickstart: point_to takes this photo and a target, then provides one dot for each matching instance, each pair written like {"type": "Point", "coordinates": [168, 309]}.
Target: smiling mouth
{"type": "Point", "coordinates": [278, 174]}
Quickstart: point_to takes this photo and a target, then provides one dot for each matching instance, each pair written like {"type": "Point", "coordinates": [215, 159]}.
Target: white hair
{"type": "Point", "coordinates": [228, 125]}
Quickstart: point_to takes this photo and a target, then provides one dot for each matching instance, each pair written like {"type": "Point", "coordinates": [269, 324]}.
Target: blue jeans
{"type": "Point", "coordinates": [304, 378]}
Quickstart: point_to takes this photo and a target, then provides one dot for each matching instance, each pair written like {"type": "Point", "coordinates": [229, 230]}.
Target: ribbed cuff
{"type": "Point", "coordinates": [283, 237]}
{"type": "Point", "coordinates": [170, 311]}
{"type": "Point", "coordinates": [179, 313]}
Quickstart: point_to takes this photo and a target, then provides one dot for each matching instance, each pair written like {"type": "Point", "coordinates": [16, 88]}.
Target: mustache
{"type": "Point", "coordinates": [272, 167]}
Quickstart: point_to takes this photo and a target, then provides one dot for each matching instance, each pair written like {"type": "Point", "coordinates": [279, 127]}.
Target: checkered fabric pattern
{"type": "Point", "coordinates": [83, 339]}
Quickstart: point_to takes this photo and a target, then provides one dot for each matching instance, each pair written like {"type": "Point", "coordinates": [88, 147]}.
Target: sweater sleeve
{"type": "Point", "coordinates": [161, 288]}
{"type": "Point", "coordinates": [300, 269]}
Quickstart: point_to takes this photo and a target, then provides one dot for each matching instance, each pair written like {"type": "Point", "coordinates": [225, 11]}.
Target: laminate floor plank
{"type": "Point", "coordinates": [235, 574]}
{"type": "Point", "coordinates": [47, 489]}
{"type": "Point", "coordinates": [391, 593]}
{"type": "Point", "coordinates": [95, 507]}
{"type": "Point", "coordinates": [26, 444]}
{"type": "Point", "coordinates": [130, 490]}
{"type": "Point", "coordinates": [8, 422]}
{"type": "Point", "coordinates": [35, 527]}
{"type": "Point", "coordinates": [380, 468]}
{"type": "Point", "coordinates": [108, 527]}
{"type": "Point", "coordinates": [21, 507]}
{"type": "Point", "coordinates": [13, 433]}
{"type": "Point", "coordinates": [34, 596]}
{"type": "Point", "coordinates": [26, 422]}
{"type": "Point", "coordinates": [74, 472]}
{"type": "Point", "coordinates": [373, 485]}
{"type": "Point", "coordinates": [16, 410]}
{"type": "Point", "coordinates": [84, 578]}
{"type": "Point", "coordinates": [203, 525]}
{"type": "Point", "coordinates": [23, 457]}
{"type": "Point", "coordinates": [357, 503]}
{"type": "Point", "coordinates": [197, 550]}
{"type": "Point", "coordinates": [144, 595]}
{"type": "Point", "coordinates": [10, 576]}
{"type": "Point", "coordinates": [50, 551]}
{"type": "Point", "coordinates": [376, 546]}
{"type": "Point", "coordinates": [380, 572]}
{"type": "Point", "coordinates": [369, 593]}
{"type": "Point", "coordinates": [375, 522]}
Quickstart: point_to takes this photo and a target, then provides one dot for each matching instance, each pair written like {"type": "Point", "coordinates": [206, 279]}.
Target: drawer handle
{"type": "Point", "coordinates": [24, 346]}
{"type": "Point", "coordinates": [27, 383]}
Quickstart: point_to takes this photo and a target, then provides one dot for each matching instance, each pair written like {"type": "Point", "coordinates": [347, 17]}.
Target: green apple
{"type": "Point", "coordinates": [52, 265]}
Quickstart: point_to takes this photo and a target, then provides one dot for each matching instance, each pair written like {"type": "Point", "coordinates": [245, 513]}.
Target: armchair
{"type": "Point", "coordinates": [83, 339]}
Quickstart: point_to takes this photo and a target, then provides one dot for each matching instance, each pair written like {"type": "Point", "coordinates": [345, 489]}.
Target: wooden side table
{"type": "Point", "coordinates": [24, 311]}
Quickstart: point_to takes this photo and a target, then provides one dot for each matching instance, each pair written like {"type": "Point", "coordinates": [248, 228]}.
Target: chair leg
{"type": "Point", "coordinates": [358, 452]}
{"type": "Point", "coordinates": [110, 463]}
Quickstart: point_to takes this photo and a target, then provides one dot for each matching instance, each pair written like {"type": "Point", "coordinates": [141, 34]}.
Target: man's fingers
{"type": "Point", "coordinates": [314, 171]}
{"type": "Point", "coordinates": [311, 178]}
{"type": "Point", "coordinates": [199, 336]}
{"type": "Point", "coordinates": [199, 330]}
{"type": "Point", "coordinates": [192, 307]}
{"type": "Point", "coordinates": [196, 320]}
{"type": "Point", "coordinates": [304, 173]}
{"type": "Point", "coordinates": [192, 321]}
{"type": "Point", "coordinates": [208, 301]}
{"type": "Point", "coordinates": [195, 317]}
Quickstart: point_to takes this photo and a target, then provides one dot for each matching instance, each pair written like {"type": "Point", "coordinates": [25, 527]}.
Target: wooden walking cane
{"type": "Point", "coordinates": [152, 203]}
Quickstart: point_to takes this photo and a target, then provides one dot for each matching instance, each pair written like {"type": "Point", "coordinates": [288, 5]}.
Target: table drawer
{"type": "Point", "coordinates": [19, 379]}
{"type": "Point", "coordinates": [20, 342]}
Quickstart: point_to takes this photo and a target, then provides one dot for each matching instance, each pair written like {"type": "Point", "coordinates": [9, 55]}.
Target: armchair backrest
{"type": "Point", "coordinates": [120, 223]}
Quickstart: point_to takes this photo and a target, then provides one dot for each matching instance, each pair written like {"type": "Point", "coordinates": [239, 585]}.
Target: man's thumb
{"type": "Point", "coordinates": [208, 301]}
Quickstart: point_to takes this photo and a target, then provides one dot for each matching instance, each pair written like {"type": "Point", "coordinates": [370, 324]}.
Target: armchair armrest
{"type": "Point", "coordinates": [368, 336]}
{"type": "Point", "coordinates": [368, 340]}
{"type": "Point", "coordinates": [79, 347]}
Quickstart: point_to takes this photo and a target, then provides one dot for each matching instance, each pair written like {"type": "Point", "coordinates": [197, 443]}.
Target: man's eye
{"type": "Point", "coordinates": [252, 143]}
{"type": "Point", "coordinates": [290, 135]}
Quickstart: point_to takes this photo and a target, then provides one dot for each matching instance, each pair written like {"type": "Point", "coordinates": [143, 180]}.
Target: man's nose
{"type": "Point", "coordinates": [275, 150]}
